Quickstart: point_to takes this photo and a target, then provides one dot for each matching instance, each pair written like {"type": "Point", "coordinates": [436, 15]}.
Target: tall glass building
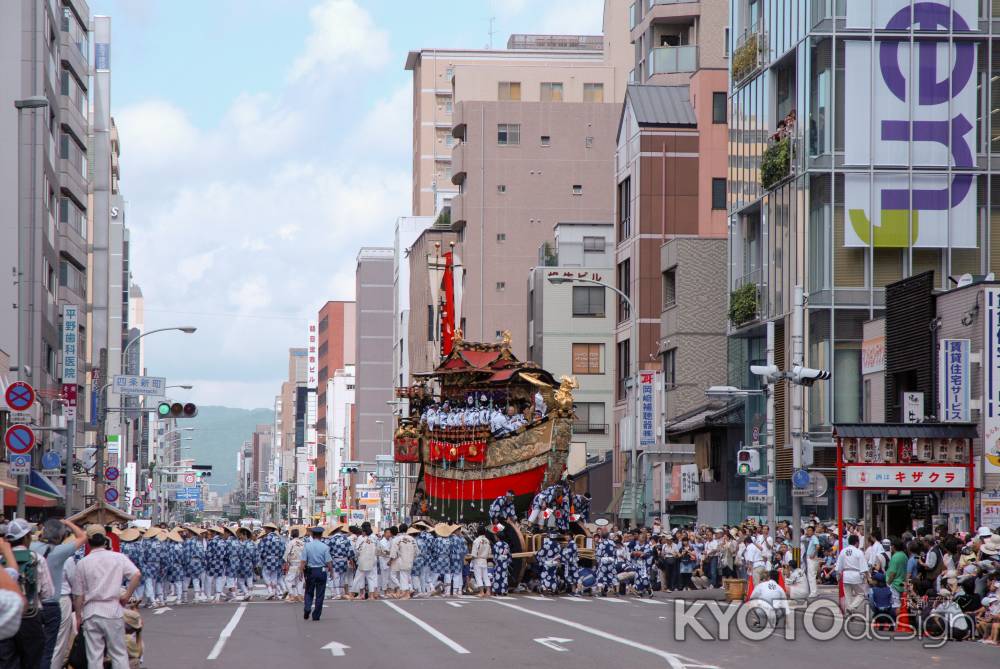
{"type": "Point", "coordinates": [864, 137]}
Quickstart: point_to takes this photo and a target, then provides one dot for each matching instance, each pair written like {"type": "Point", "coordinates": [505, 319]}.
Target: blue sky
{"type": "Point", "coordinates": [264, 142]}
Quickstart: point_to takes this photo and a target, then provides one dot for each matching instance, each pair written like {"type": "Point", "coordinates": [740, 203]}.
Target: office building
{"type": "Point", "coordinates": [830, 190]}
{"type": "Point", "coordinates": [374, 297]}
{"type": "Point", "coordinates": [335, 339]}
{"type": "Point", "coordinates": [571, 327]}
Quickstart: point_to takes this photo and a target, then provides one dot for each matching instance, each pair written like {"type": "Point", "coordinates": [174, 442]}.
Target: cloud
{"type": "Point", "coordinates": [343, 36]}
{"type": "Point", "coordinates": [572, 17]}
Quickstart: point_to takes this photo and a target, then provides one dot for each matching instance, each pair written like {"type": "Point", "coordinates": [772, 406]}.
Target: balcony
{"type": "Point", "coordinates": [750, 54]}
{"type": "Point", "coordinates": [673, 59]}
{"type": "Point", "coordinates": [778, 161]}
{"type": "Point", "coordinates": [590, 428]}
{"type": "Point", "coordinates": [458, 164]}
{"type": "Point", "coordinates": [457, 212]}
{"type": "Point", "coordinates": [70, 51]}
{"type": "Point", "coordinates": [745, 300]}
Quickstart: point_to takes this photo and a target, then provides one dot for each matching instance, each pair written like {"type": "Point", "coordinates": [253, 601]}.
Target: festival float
{"type": "Point", "coordinates": [462, 465]}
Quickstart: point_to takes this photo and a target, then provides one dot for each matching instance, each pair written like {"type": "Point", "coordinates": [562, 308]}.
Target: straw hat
{"type": "Point", "coordinates": [303, 531]}
{"type": "Point", "coordinates": [422, 525]}
{"type": "Point", "coordinates": [195, 530]}
{"type": "Point", "coordinates": [131, 534]}
{"type": "Point", "coordinates": [992, 545]}
{"type": "Point", "coordinates": [444, 529]}
{"type": "Point", "coordinates": [132, 618]}
{"type": "Point", "coordinates": [414, 530]}
{"type": "Point", "coordinates": [270, 526]}
{"type": "Point", "coordinates": [152, 533]}
{"type": "Point", "coordinates": [174, 535]}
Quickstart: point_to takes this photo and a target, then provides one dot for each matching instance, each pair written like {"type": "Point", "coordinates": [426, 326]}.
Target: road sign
{"type": "Point", "coordinates": [111, 473]}
{"type": "Point", "coordinates": [19, 439]}
{"type": "Point", "coordinates": [757, 491]}
{"type": "Point", "coordinates": [19, 465]}
{"type": "Point", "coordinates": [800, 479]}
{"type": "Point", "coordinates": [150, 386]}
{"type": "Point", "coordinates": [19, 396]}
{"type": "Point", "coordinates": [51, 460]}
{"type": "Point", "coordinates": [137, 502]}
{"type": "Point", "coordinates": [190, 479]}
{"type": "Point", "coordinates": [110, 495]}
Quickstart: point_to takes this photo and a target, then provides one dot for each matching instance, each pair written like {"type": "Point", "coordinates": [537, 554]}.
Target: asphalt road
{"type": "Point", "coordinates": [519, 631]}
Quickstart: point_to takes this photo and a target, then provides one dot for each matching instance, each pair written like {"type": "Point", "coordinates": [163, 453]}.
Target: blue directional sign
{"type": "Point", "coordinates": [801, 478]}
{"type": "Point", "coordinates": [51, 460]}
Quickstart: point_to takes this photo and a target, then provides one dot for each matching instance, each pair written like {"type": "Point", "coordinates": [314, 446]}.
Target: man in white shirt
{"type": "Point", "coordinates": [385, 582]}
{"type": "Point", "coordinates": [98, 599]}
{"type": "Point", "coordinates": [366, 572]}
{"type": "Point", "coordinates": [811, 561]}
{"type": "Point", "coordinates": [481, 553]}
{"type": "Point", "coordinates": [753, 558]}
{"type": "Point", "coordinates": [770, 593]}
{"type": "Point", "coordinates": [851, 570]}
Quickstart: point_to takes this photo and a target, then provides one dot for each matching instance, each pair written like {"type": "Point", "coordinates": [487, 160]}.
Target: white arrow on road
{"type": "Point", "coordinates": [162, 609]}
{"type": "Point", "coordinates": [337, 649]}
{"type": "Point", "coordinates": [553, 643]}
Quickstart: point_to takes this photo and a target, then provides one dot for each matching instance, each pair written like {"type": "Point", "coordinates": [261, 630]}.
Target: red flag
{"type": "Point", "coordinates": [447, 305]}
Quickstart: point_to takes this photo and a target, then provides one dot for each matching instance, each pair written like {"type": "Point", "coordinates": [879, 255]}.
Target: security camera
{"type": "Point", "coordinates": [806, 376]}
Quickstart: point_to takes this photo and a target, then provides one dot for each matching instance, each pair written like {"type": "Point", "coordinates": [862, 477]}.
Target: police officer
{"type": "Point", "coordinates": [316, 564]}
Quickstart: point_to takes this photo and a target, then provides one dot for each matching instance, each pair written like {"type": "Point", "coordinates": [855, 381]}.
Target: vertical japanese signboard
{"type": "Point", "coordinates": [70, 335]}
{"type": "Point", "coordinates": [991, 381]}
{"type": "Point", "coordinates": [953, 380]}
{"type": "Point", "coordinates": [647, 409]}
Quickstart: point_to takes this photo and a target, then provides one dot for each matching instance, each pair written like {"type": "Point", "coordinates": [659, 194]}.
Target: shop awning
{"type": "Point", "coordinates": [906, 430]}
{"type": "Point", "coordinates": [34, 498]}
{"type": "Point", "coordinates": [42, 482]}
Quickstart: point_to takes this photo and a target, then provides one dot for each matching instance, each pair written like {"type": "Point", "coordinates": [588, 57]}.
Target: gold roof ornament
{"type": "Point", "coordinates": [458, 337]}
{"type": "Point", "coordinates": [563, 395]}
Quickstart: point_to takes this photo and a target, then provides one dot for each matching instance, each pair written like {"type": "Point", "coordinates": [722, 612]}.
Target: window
{"type": "Point", "coordinates": [551, 91]}
{"type": "Point", "coordinates": [430, 322]}
{"type": "Point", "coordinates": [508, 134]}
{"type": "Point", "coordinates": [546, 140]}
{"type": "Point", "coordinates": [624, 367]}
{"type": "Point", "coordinates": [449, 140]}
{"type": "Point", "coordinates": [719, 107]}
{"type": "Point", "coordinates": [670, 369]}
{"type": "Point", "coordinates": [70, 214]}
{"type": "Point", "coordinates": [498, 335]}
{"type": "Point", "coordinates": [501, 236]}
{"type": "Point", "coordinates": [577, 189]}
{"type": "Point", "coordinates": [50, 278]}
{"type": "Point", "coordinates": [509, 90]}
{"type": "Point", "coordinates": [588, 142]}
{"type": "Point", "coordinates": [593, 244]}
{"type": "Point", "coordinates": [50, 359]}
{"type": "Point", "coordinates": [718, 193]}
{"type": "Point", "coordinates": [588, 358]}
{"type": "Point", "coordinates": [624, 207]}
{"type": "Point", "coordinates": [670, 288]}
{"type": "Point", "coordinates": [588, 302]}
{"type": "Point", "coordinates": [624, 285]}
{"type": "Point", "coordinates": [589, 418]}
{"type": "Point", "coordinates": [501, 285]}
{"type": "Point", "coordinates": [501, 188]}
{"type": "Point", "coordinates": [725, 44]}
{"type": "Point", "coordinates": [593, 92]}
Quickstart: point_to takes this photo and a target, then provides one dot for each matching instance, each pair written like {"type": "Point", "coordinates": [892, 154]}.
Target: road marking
{"type": "Point", "coordinates": [227, 632]}
{"type": "Point", "coordinates": [578, 599]}
{"type": "Point", "coordinates": [612, 600]}
{"type": "Point", "coordinates": [161, 610]}
{"type": "Point", "coordinates": [537, 598]}
{"type": "Point", "coordinates": [337, 649]}
{"type": "Point", "coordinates": [455, 604]}
{"type": "Point", "coordinates": [675, 661]}
{"type": "Point", "coordinates": [427, 628]}
{"type": "Point", "coordinates": [553, 643]}
{"type": "Point", "coordinates": [650, 601]}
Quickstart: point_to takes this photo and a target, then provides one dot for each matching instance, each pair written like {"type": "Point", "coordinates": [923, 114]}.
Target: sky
{"type": "Point", "coordinates": [263, 142]}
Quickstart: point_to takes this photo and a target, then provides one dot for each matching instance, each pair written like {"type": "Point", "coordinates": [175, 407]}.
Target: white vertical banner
{"type": "Point", "coordinates": [991, 381]}
{"type": "Point", "coordinates": [954, 383]}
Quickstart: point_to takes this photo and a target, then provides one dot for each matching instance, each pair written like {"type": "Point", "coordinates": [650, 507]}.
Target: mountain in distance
{"type": "Point", "coordinates": [219, 433]}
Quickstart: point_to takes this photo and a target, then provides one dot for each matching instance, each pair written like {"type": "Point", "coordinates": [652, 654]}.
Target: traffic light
{"type": "Point", "coordinates": [747, 461]}
{"type": "Point", "coordinates": [349, 468]}
{"type": "Point", "coordinates": [176, 410]}
{"type": "Point", "coordinates": [804, 376]}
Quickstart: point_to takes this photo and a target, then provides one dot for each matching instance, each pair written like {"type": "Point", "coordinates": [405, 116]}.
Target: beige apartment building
{"type": "Point", "coordinates": [592, 68]}
{"type": "Point", "coordinates": [513, 142]}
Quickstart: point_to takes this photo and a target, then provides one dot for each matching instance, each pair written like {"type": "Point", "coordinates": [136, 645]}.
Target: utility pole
{"type": "Point", "coordinates": [797, 408]}
{"type": "Point", "coordinates": [772, 482]}
{"type": "Point", "coordinates": [100, 382]}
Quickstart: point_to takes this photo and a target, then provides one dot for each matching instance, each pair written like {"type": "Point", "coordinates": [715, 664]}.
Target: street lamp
{"type": "Point", "coordinates": [182, 387]}
{"type": "Point", "coordinates": [634, 355]}
{"type": "Point", "coordinates": [26, 264]}
{"type": "Point", "coordinates": [731, 392]}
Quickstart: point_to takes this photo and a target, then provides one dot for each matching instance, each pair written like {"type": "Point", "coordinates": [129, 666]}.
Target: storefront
{"type": "Point", "coordinates": [910, 476]}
